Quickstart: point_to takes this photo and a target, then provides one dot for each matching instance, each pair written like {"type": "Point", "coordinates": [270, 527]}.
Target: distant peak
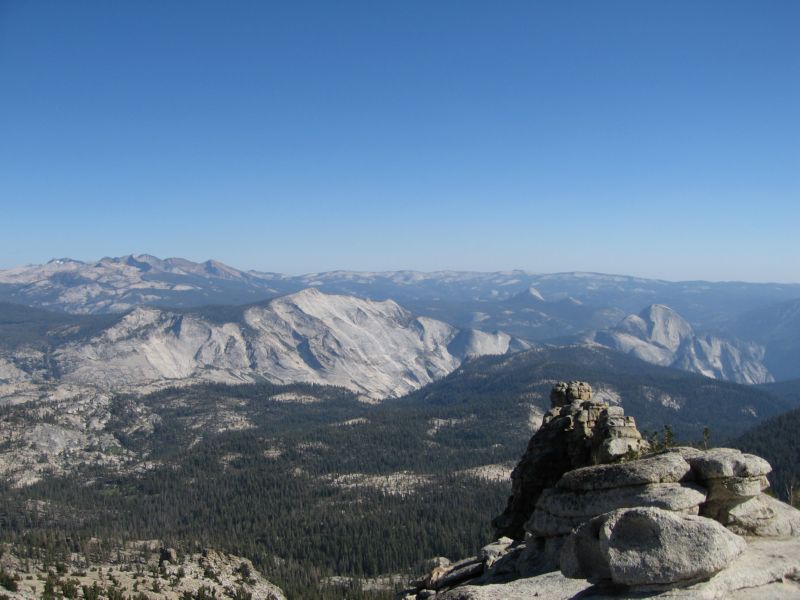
{"type": "Point", "coordinates": [530, 293]}
{"type": "Point", "coordinates": [312, 295]}
{"type": "Point", "coordinates": [659, 311]}
{"type": "Point", "coordinates": [218, 268]}
{"type": "Point", "coordinates": [309, 292]}
{"type": "Point", "coordinates": [214, 266]}
{"type": "Point", "coordinates": [64, 261]}
{"type": "Point", "coordinates": [534, 293]}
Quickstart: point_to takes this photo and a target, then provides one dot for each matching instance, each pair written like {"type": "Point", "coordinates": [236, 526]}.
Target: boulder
{"type": "Point", "coordinates": [649, 547]}
{"type": "Point", "coordinates": [491, 552]}
{"type": "Point", "coordinates": [731, 477]}
{"type": "Point", "coordinates": [615, 437]}
{"type": "Point", "coordinates": [724, 462]}
{"type": "Point", "coordinates": [438, 561]}
{"type": "Point", "coordinates": [738, 489]}
{"type": "Point", "coordinates": [564, 393]}
{"type": "Point", "coordinates": [661, 468]}
{"type": "Point", "coordinates": [452, 574]}
{"type": "Point", "coordinates": [585, 505]}
{"type": "Point", "coordinates": [505, 566]}
{"type": "Point", "coordinates": [582, 555]}
{"type": "Point", "coordinates": [764, 516]}
{"type": "Point", "coordinates": [587, 492]}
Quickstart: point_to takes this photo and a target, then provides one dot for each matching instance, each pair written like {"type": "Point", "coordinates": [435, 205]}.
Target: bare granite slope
{"type": "Point", "coordinates": [377, 349]}
{"type": "Point", "coordinates": [660, 336]}
{"type": "Point", "coordinates": [142, 570]}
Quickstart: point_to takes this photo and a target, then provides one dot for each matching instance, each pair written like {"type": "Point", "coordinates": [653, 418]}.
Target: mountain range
{"type": "Point", "coordinates": [777, 327]}
{"type": "Point", "coordinates": [377, 349]}
{"type": "Point", "coordinates": [118, 284]}
{"type": "Point", "coordinates": [170, 399]}
{"type": "Point", "coordinates": [740, 332]}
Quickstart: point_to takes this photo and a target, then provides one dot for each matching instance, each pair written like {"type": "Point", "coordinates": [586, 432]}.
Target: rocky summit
{"type": "Point", "coordinates": [596, 513]}
{"type": "Point", "coordinates": [577, 431]}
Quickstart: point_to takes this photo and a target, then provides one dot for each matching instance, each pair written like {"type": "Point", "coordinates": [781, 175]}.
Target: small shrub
{"type": "Point", "coordinates": [70, 588]}
{"type": "Point", "coordinates": [91, 593]}
{"type": "Point", "coordinates": [114, 593]}
{"type": "Point", "coordinates": [244, 570]}
{"type": "Point", "coordinates": [7, 581]}
{"type": "Point", "coordinates": [242, 594]}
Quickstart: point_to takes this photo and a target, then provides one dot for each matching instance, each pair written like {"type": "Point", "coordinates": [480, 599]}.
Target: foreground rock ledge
{"type": "Point", "coordinates": [647, 547]}
{"type": "Point", "coordinates": [668, 525]}
{"type": "Point", "coordinates": [768, 569]}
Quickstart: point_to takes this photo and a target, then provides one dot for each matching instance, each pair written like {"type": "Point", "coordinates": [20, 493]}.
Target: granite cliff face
{"type": "Point", "coordinates": [660, 336]}
{"type": "Point", "coordinates": [605, 519]}
{"type": "Point", "coordinates": [377, 349]}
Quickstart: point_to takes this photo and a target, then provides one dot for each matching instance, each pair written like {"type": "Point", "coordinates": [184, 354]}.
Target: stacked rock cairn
{"type": "Point", "coordinates": [588, 501]}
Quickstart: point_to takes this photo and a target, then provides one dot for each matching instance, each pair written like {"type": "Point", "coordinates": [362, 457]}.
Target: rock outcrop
{"type": "Point", "coordinates": [575, 432]}
{"type": "Point", "coordinates": [767, 569]}
{"type": "Point", "coordinates": [647, 548]}
{"type": "Point", "coordinates": [137, 569]}
{"type": "Point", "coordinates": [730, 477]}
{"type": "Point", "coordinates": [764, 516]}
{"type": "Point", "coordinates": [668, 524]}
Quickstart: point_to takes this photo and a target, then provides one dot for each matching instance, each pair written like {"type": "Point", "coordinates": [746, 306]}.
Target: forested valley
{"type": "Point", "coordinates": [312, 484]}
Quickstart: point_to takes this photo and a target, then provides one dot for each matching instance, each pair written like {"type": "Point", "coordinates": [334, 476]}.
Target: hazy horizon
{"type": "Point", "coordinates": [406, 269]}
{"type": "Point", "coordinates": [658, 140]}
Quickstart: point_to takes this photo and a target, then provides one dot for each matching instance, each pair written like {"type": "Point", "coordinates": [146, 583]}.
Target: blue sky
{"type": "Point", "coordinates": [657, 138]}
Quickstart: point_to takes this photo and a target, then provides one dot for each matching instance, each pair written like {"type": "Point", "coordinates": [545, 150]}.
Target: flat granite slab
{"type": "Point", "coordinates": [768, 569]}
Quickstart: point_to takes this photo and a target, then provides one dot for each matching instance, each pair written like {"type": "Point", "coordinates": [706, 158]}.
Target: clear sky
{"type": "Point", "coordinates": [655, 138]}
